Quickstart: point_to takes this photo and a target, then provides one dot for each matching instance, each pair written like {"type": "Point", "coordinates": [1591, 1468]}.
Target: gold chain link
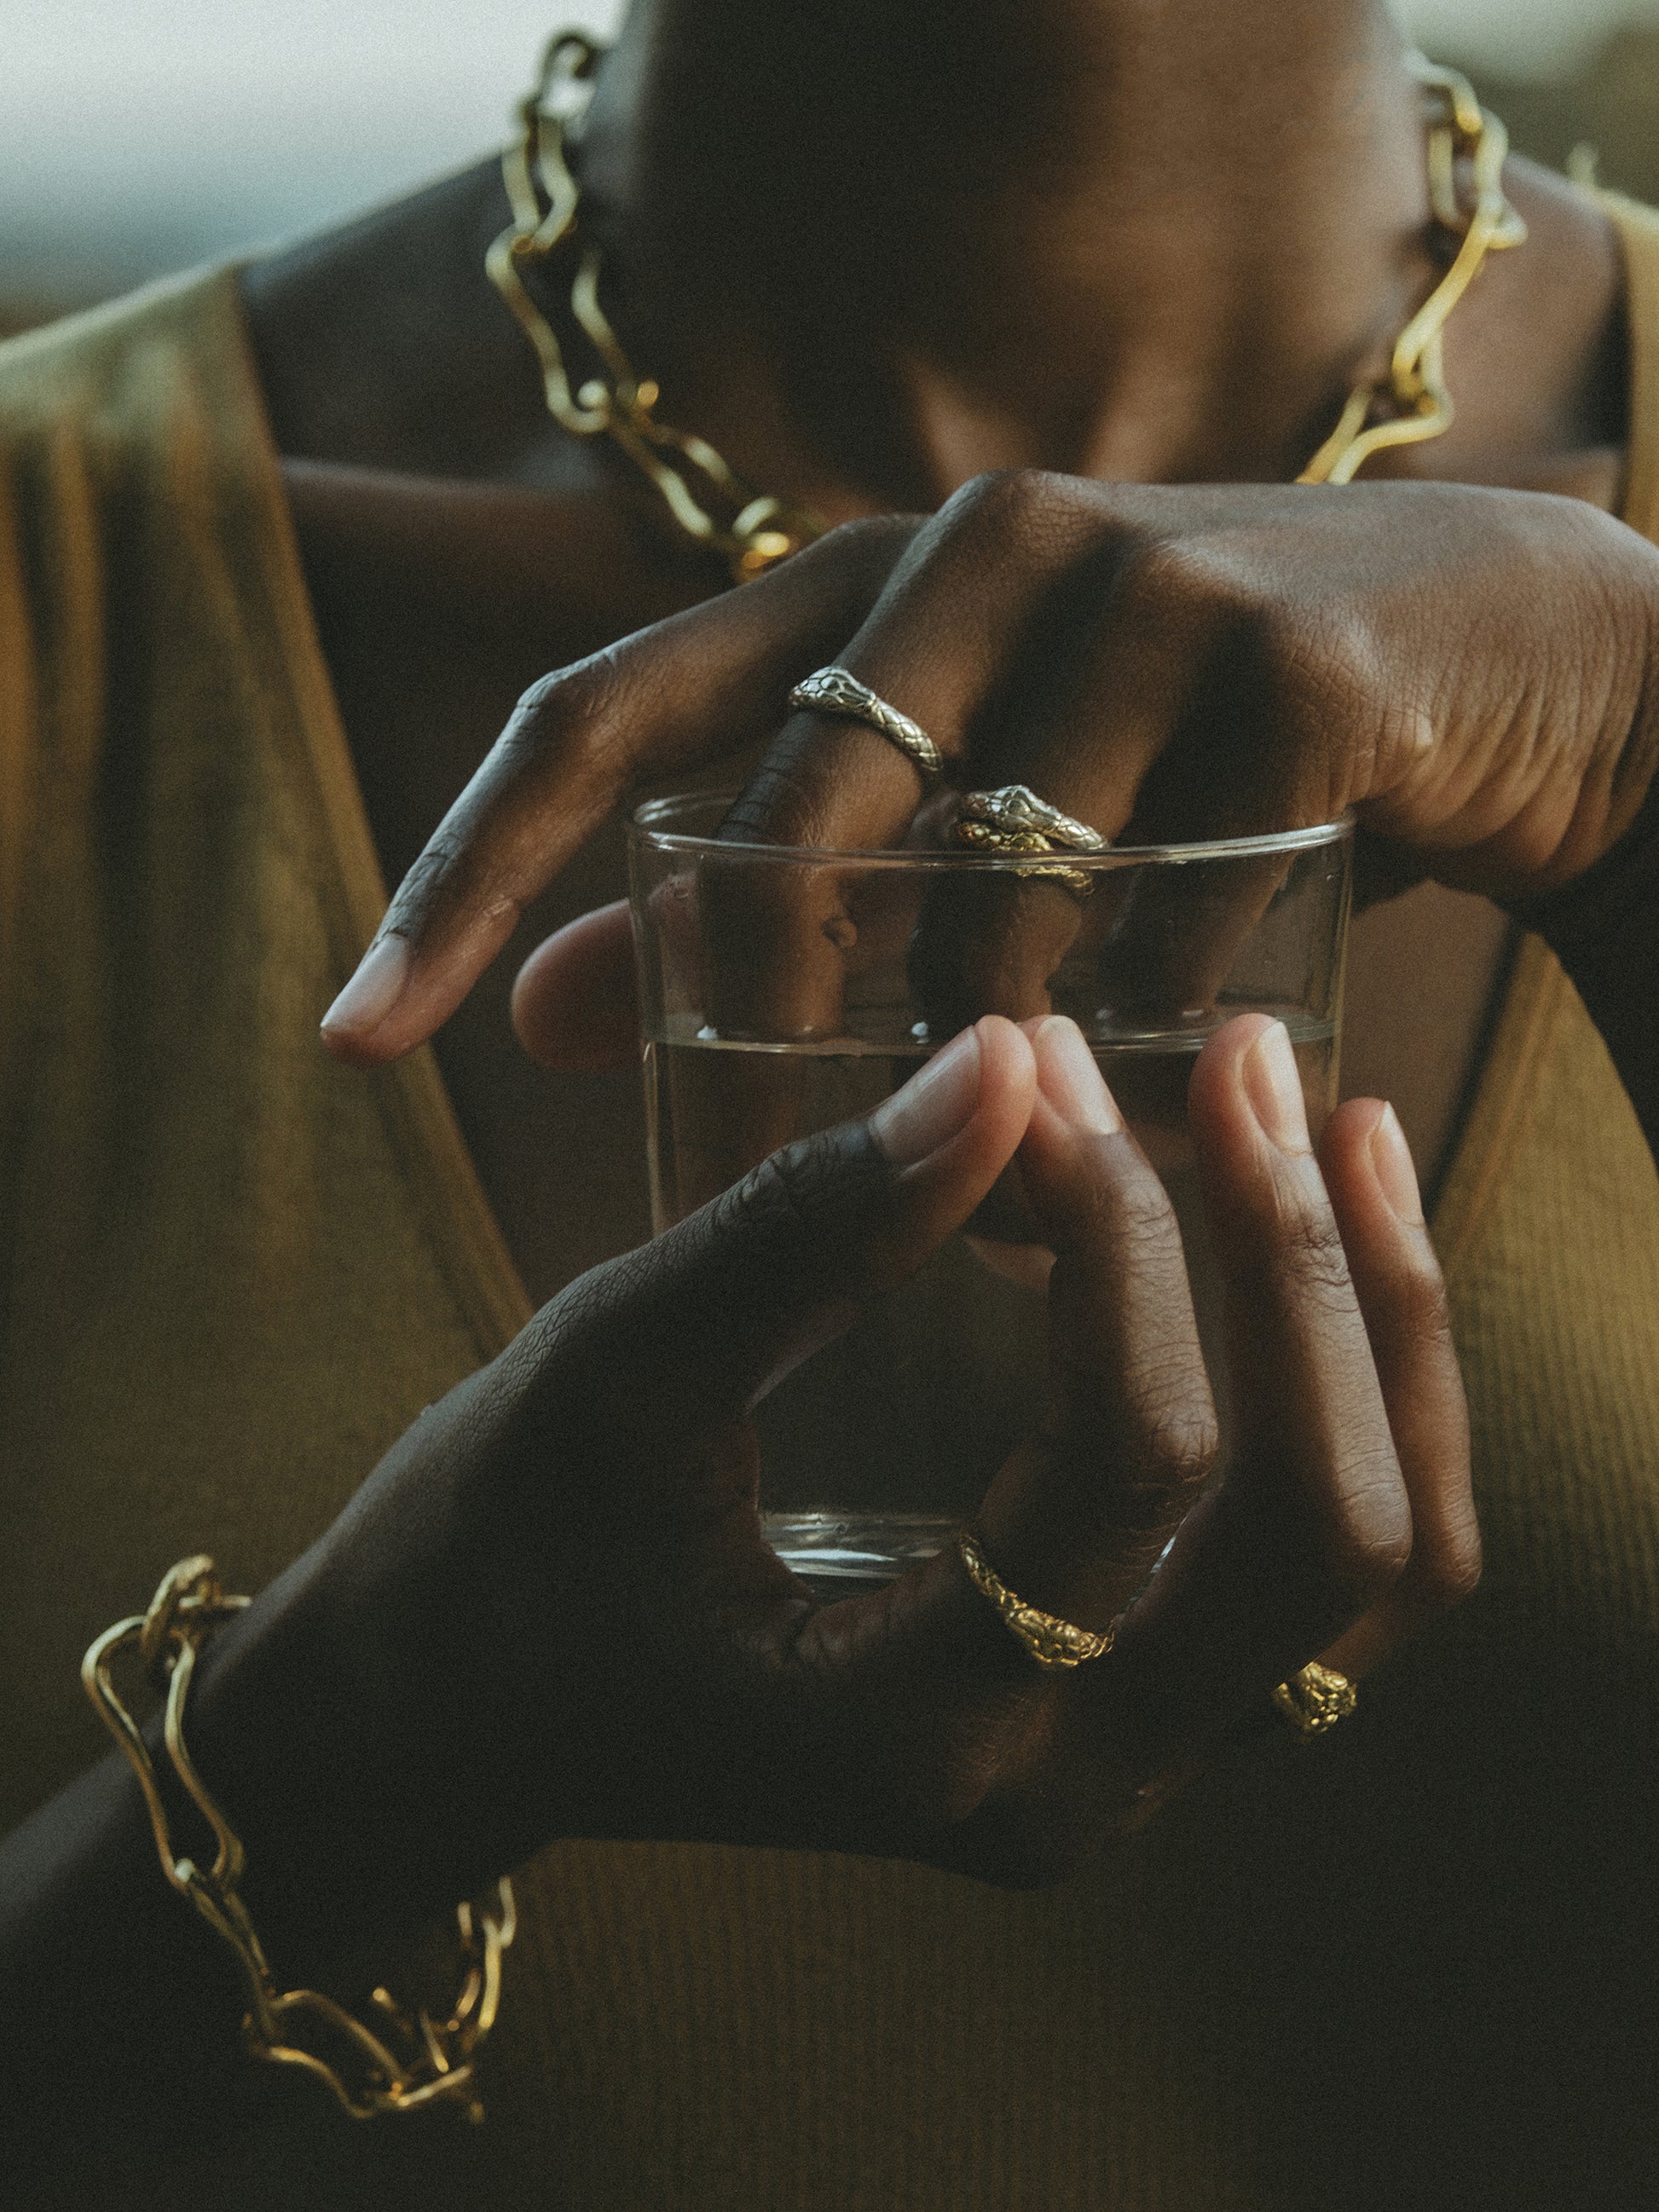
{"type": "Point", "coordinates": [703, 493]}
{"type": "Point", "coordinates": [1407, 404]}
{"type": "Point", "coordinates": [436, 2060]}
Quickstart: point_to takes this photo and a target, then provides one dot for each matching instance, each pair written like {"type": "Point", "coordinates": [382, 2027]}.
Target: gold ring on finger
{"type": "Point", "coordinates": [1316, 1698]}
{"type": "Point", "coordinates": [1051, 1642]}
{"type": "Point", "coordinates": [837, 691]}
{"type": "Point", "coordinates": [1014, 820]}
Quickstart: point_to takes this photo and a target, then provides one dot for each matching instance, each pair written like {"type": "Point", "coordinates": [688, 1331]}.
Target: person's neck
{"type": "Point", "coordinates": [1145, 238]}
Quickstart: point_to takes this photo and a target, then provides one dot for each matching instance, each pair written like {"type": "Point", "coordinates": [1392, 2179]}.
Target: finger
{"type": "Point", "coordinates": [669, 699]}
{"type": "Point", "coordinates": [966, 1725]}
{"type": "Point", "coordinates": [576, 1003]}
{"type": "Point", "coordinates": [964, 628]}
{"type": "Point", "coordinates": [1311, 1525]}
{"type": "Point", "coordinates": [1076, 1519]}
{"type": "Point", "coordinates": [680, 1338]}
{"type": "Point", "coordinates": [1165, 718]}
{"type": "Point", "coordinates": [1402, 1295]}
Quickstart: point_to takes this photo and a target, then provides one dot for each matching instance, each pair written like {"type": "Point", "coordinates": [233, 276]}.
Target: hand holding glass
{"type": "Point", "coordinates": [784, 990]}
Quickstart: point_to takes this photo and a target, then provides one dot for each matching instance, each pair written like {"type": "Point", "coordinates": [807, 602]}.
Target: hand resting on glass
{"type": "Point", "coordinates": [551, 1611]}
{"type": "Point", "coordinates": [1470, 671]}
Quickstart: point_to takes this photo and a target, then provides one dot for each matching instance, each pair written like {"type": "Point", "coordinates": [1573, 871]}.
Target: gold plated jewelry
{"type": "Point", "coordinates": [1052, 1643]}
{"type": "Point", "coordinates": [838, 691]}
{"type": "Point", "coordinates": [1316, 1698]}
{"type": "Point", "coordinates": [432, 2059]}
{"type": "Point", "coordinates": [706, 497]}
{"type": "Point", "coordinates": [1013, 819]}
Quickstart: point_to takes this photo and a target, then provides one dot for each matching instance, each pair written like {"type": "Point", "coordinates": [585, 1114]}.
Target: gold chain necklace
{"type": "Point", "coordinates": [712, 504]}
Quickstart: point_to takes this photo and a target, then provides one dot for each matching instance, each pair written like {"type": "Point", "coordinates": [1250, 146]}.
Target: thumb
{"type": "Point", "coordinates": [659, 1348]}
{"type": "Point", "coordinates": [574, 1006]}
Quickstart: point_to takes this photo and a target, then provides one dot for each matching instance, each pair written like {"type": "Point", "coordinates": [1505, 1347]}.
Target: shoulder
{"type": "Point", "coordinates": [384, 346]}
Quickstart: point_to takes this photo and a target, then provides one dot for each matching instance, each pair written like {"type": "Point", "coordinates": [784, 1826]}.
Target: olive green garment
{"type": "Point", "coordinates": [1413, 1966]}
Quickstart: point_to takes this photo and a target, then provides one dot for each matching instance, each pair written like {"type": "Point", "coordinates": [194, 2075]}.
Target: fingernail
{"type": "Point", "coordinates": [1070, 1079]}
{"type": "Point", "coordinates": [375, 989]}
{"type": "Point", "coordinates": [933, 1104]}
{"type": "Point", "coordinates": [1392, 1160]}
{"type": "Point", "coordinates": [1272, 1083]}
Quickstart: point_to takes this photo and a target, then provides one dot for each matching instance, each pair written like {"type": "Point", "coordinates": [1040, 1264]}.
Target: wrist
{"type": "Point", "coordinates": [303, 1765]}
{"type": "Point", "coordinates": [403, 2060]}
{"type": "Point", "coordinates": [342, 1725]}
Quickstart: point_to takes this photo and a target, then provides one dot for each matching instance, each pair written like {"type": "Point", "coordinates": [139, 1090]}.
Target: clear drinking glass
{"type": "Point", "coordinates": [783, 990]}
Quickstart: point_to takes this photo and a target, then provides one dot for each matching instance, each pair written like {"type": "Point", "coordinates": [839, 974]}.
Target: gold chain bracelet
{"type": "Point", "coordinates": [436, 2060]}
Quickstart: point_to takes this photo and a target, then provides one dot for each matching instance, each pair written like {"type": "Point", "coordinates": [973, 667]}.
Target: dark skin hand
{"type": "Point", "coordinates": [1038, 275]}
{"type": "Point", "coordinates": [459, 546]}
{"type": "Point", "coordinates": [378, 1726]}
{"type": "Point", "coordinates": [1470, 671]}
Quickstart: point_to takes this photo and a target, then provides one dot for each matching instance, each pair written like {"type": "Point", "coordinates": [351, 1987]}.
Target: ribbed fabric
{"type": "Point", "coordinates": [1413, 1966]}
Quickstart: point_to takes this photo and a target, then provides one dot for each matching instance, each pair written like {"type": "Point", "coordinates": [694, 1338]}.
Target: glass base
{"type": "Point", "coordinates": [844, 1550]}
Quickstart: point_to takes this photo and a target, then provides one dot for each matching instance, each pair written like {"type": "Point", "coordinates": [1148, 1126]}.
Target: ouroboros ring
{"type": "Point", "coordinates": [837, 691]}
{"type": "Point", "coordinates": [1013, 819]}
{"type": "Point", "coordinates": [1015, 810]}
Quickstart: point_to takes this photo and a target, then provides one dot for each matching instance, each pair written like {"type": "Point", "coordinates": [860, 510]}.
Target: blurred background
{"type": "Point", "coordinates": [142, 135]}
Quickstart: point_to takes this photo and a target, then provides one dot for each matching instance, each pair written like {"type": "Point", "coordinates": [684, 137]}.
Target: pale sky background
{"type": "Point", "coordinates": [137, 136]}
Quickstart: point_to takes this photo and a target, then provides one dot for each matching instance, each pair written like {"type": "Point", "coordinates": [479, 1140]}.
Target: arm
{"type": "Point", "coordinates": [1473, 672]}
{"type": "Point", "coordinates": [551, 1610]}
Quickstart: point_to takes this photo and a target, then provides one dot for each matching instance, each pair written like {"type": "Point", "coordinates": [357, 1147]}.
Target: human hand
{"type": "Point", "coordinates": [1467, 669]}
{"type": "Point", "coordinates": [552, 1612]}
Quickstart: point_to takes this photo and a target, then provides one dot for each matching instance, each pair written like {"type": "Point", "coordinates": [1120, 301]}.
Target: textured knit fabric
{"type": "Point", "coordinates": [1413, 1966]}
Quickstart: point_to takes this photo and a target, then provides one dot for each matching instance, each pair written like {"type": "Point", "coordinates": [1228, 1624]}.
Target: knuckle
{"type": "Point", "coordinates": [1177, 1442]}
{"type": "Point", "coordinates": [562, 711]}
{"type": "Point", "coordinates": [1445, 1567]}
{"type": "Point", "coordinates": [1425, 1311]}
{"type": "Point", "coordinates": [782, 803]}
{"type": "Point", "coordinates": [1143, 1221]}
{"type": "Point", "coordinates": [1366, 1544]}
{"type": "Point", "coordinates": [1296, 663]}
{"type": "Point", "coordinates": [1124, 1230]}
{"type": "Point", "coordinates": [808, 1207]}
{"type": "Point", "coordinates": [1017, 504]}
{"type": "Point", "coordinates": [1196, 590]}
{"type": "Point", "coordinates": [794, 1187]}
{"type": "Point", "coordinates": [1156, 573]}
{"type": "Point", "coordinates": [1308, 1255]}
{"type": "Point", "coordinates": [536, 704]}
{"type": "Point", "coordinates": [869, 543]}
{"type": "Point", "coordinates": [438, 878]}
{"type": "Point", "coordinates": [451, 876]}
{"type": "Point", "coordinates": [1157, 1470]}
{"type": "Point", "coordinates": [1162, 1444]}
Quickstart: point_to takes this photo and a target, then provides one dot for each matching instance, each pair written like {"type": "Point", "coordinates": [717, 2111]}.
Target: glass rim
{"type": "Point", "coordinates": [643, 830]}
